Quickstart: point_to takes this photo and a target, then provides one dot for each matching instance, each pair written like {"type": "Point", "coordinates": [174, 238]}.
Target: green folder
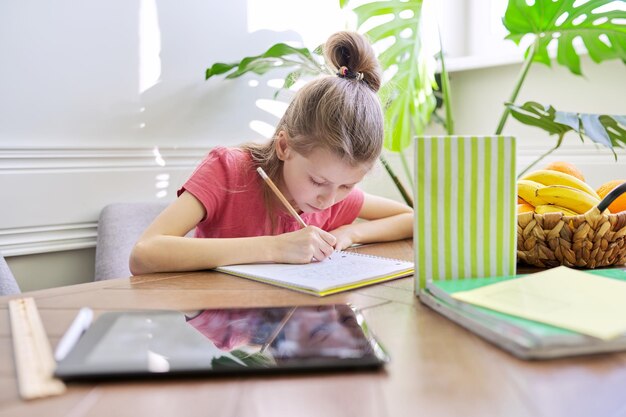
{"type": "Point", "coordinates": [524, 338]}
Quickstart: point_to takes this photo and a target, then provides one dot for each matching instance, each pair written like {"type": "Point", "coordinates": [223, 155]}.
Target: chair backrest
{"type": "Point", "coordinates": [119, 227]}
{"type": "Point", "coordinates": [8, 284]}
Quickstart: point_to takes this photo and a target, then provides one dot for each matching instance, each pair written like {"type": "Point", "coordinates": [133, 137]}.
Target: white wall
{"type": "Point", "coordinates": [77, 133]}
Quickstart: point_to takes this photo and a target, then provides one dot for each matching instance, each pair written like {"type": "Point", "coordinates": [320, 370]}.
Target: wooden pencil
{"type": "Point", "coordinates": [280, 196]}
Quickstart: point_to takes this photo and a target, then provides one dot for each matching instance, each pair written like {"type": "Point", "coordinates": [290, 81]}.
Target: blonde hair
{"type": "Point", "coordinates": [340, 113]}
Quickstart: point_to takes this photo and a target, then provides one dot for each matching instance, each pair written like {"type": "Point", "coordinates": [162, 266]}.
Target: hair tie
{"type": "Point", "coordinates": [344, 72]}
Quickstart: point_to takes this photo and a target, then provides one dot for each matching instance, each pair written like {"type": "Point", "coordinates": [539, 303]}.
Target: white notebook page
{"type": "Point", "coordinates": [343, 268]}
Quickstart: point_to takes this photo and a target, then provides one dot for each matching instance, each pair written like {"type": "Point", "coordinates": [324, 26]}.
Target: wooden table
{"type": "Point", "coordinates": [437, 368]}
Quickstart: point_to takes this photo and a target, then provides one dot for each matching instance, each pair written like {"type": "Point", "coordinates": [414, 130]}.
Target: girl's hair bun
{"type": "Point", "coordinates": [351, 53]}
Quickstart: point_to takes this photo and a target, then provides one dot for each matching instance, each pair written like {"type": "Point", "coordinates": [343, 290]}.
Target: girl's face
{"type": "Point", "coordinates": [317, 181]}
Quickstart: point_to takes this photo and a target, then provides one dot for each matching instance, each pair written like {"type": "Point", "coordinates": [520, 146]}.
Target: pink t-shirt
{"type": "Point", "coordinates": [231, 191]}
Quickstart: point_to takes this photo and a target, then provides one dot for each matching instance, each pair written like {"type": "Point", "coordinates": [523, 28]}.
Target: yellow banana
{"type": "Point", "coordinates": [527, 190]}
{"type": "Point", "coordinates": [550, 177]}
{"type": "Point", "coordinates": [568, 197]}
{"type": "Point", "coordinates": [551, 208]}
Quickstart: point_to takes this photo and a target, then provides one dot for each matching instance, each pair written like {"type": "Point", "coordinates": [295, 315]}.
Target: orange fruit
{"type": "Point", "coordinates": [619, 204]}
{"type": "Point", "coordinates": [525, 208]}
{"type": "Point", "coordinates": [566, 167]}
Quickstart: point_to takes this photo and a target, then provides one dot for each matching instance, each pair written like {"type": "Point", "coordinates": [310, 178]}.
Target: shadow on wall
{"type": "Point", "coordinates": [175, 103]}
{"type": "Point", "coordinates": [180, 103]}
{"type": "Point", "coordinates": [134, 76]}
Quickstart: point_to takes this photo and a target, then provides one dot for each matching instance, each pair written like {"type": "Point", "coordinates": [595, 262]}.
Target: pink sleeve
{"type": "Point", "coordinates": [209, 183]}
{"type": "Point", "coordinates": [346, 211]}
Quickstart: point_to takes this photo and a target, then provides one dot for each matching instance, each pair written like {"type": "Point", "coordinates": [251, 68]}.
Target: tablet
{"type": "Point", "coordinates": [223, 341]}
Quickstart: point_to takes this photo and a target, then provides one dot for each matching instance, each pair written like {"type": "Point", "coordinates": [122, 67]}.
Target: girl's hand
{"type": "Point", "coordinates": [343, 237]}
{"type": "Point", "coordinates": [303, 246]}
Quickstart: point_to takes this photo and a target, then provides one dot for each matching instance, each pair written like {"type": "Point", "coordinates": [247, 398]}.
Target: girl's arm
{"type": "Point", "coordinates": [388, 220]}
{"type": "Point", "coordinates": [163, 247]}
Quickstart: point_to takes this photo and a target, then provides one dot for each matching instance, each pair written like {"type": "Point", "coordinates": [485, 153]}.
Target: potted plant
{"type": "Point", "coordinates": [602, 33]}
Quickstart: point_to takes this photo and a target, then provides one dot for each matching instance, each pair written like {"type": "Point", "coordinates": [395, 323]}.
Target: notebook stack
{"type": "Point", "coordinates": [539, 322]}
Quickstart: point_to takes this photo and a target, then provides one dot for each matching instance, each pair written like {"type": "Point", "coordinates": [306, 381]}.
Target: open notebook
{"type": "Point", "coordinates": [343, 271]}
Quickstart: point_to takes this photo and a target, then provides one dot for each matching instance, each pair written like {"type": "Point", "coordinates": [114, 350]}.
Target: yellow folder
{"type": "Point", "coordinates": [562, 297]}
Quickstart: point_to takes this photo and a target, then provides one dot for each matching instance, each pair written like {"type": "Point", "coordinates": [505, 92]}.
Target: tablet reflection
{"type": "Point", "coordinates": [265, 337]}
{"type": "Point", "coordinates": [327, 331]}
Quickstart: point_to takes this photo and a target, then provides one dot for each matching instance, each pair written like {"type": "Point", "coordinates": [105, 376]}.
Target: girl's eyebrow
{"type": "Point", "coordinates": [330, 182]}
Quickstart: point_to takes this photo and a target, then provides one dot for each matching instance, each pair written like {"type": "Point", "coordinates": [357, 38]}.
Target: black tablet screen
{"type": "Point", "coordinates": [223, 341]}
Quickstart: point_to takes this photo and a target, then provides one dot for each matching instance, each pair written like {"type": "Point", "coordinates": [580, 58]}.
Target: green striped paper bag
{"type": "Point", "coordinates": [465, 207]}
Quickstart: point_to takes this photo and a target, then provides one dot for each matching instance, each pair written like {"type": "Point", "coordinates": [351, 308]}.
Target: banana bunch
{"type": "Point", "coordinates": [550, 191]}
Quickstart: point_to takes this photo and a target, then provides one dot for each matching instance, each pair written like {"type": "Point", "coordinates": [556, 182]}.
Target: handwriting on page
{"type": "Point", "coordinates": [338, 268]}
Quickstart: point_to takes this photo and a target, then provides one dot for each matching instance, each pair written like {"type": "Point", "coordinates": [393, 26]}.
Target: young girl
{"type": "Point", "coordinates": [329, 138]}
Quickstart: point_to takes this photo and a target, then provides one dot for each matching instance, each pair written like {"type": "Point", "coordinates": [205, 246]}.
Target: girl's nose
{"type": "Point", "coordinates": [326, 199]}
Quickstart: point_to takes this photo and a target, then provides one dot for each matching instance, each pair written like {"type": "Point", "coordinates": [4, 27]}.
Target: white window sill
{"type": "Point", "coordinates": [472, 62]}
{"type": "Point", "coordinates": [467, 63]}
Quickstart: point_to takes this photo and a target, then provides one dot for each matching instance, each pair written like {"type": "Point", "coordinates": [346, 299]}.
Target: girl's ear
{"type": "Point", "coordinates": [283, 151]}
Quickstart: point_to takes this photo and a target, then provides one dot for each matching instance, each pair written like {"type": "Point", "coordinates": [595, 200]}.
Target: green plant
{"type": "Point", "coordinates": [561, 22]}
{"type": "Point", "coordinates": [600, 128]}
{"type": "Point", "coordinates": [407, 96]}
{"type": "Point", "coordinates": [301, 61]}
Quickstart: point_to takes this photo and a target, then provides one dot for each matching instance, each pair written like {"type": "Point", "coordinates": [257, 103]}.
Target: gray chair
{"type": "Point", "coordinates": [8, 284]}
{"type": "Point", "coordinates": [119, 227]}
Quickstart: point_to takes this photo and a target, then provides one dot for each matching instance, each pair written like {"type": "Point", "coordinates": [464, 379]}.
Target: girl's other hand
{"type": "Point", "coordinates": [304, 246]}
{"type": "Point", "coordinates": [343, 237]}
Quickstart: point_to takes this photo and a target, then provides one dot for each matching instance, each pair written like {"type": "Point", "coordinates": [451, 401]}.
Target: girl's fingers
{"type": "Point", "coordinates": [325, 250]}
{"type": "Point", "coordinates": [318, 243]}
{"type": "Point", "coordinates": [319, 255]}
{"type": "Point", "coordinates": [328, 238]}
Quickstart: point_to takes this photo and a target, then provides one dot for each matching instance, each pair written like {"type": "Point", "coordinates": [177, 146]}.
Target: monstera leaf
{"type": "Point", "coordinates": [408, 95]}
{"type": "Point", "coordinates": [281, 55]}
{"type": "Point", "coordinates": [606, 130]}
{"type": "Point", "coordinates": [603, 33]}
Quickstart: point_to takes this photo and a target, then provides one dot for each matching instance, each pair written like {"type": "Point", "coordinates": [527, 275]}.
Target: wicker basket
{"type": "Point", "coordinates": [589, 240]}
